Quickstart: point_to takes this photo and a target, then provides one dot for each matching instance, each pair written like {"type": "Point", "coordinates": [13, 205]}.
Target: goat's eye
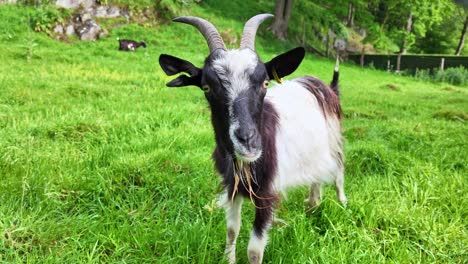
{"type": "Point", "coordinates": [265, 84]}
{"type": "Point", "coordinates": [206, 88]}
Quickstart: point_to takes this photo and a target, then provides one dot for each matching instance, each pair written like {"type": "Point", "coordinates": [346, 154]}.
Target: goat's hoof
{"type": "Point", "coordinates": [230, 253]}
{"type": "Point", "coordinates": [313, 205]}
{"type": "Point", "coordinates": [255, 257]}
{"type": "Point", "coordinates": [344, 201]}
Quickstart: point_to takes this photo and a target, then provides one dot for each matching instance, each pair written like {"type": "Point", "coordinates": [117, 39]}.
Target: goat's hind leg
{"type": "Point", "coordinates": [339, 186]}
{"type": "Point", "coordinates": [315, 195]}
{"type": "Point", "coordinates": [233, 221]}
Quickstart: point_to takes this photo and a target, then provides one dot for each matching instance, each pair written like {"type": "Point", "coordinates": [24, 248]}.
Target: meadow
{"type": "Point", "coordinates": [100, 162]}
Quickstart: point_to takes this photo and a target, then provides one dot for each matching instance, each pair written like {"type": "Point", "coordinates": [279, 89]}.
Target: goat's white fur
{"type": "Point", "coordinates": [233, 67]}
{"type": "Point", "coordinates": [306, 140]}
{"type": "Point", "coordinates": [233, 222]}
{"type": "Point", "coordinates": [257, 246]}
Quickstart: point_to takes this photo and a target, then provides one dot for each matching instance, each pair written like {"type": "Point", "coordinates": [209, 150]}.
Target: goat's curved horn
{"type": "Point", "coordinates": [210, 33]}
{"type": "Point", "coordinates": [250, 30]}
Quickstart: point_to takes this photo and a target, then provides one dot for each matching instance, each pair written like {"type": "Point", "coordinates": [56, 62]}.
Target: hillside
{"type": "Point", "coordinates": [100, 162]}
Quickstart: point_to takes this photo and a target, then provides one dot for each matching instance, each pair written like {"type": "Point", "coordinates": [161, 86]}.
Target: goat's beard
{"type": "Point", "coordinates": [245, 174]}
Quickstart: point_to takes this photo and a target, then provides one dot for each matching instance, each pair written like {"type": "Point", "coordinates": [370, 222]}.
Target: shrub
{"type": "Point", "coordinates": [174, 8]}
{"type": "Point", "coordinates": [44, 18]}
{"type": "Point", "coordinates": [424, 74]}
{"type": "Point", "coordinates": [455, 76]}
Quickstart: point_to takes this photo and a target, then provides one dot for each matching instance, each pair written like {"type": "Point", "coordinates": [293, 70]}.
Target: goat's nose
{"type": "Point", "coordinates": [245, 135]}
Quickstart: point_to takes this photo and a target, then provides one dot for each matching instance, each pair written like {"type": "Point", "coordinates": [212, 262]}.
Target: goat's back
{"type": "Point", "coordinates": [308, 140]}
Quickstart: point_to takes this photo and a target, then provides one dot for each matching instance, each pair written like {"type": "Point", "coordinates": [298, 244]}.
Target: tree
{"type": "Point", "coordinates": [282, 16]}
{"type": "Point", "coordinates": [410, 20]}
{"type": "Point", "coordinates": [351, 13]}
{"type": "Point", "coordinates": [462, 11]}
{"type": "Point", "coordinates": [462, 38]}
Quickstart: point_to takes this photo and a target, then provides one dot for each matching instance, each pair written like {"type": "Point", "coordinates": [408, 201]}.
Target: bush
{"type": "Point", "coordinates": [174, 8]}
{"type": "Point", "coordinates": [424, 74]}
{"type": "Point", "coordinates": [44, 18]}
{"type": "Point", "coordinates": [455, 76]}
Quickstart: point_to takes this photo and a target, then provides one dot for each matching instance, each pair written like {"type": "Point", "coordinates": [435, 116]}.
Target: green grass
{"type": "Point", "coordinates": [100, 162]}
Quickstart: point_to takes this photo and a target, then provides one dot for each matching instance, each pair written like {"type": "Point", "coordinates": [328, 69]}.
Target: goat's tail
{"type": "Point", "coordinates": [336, 75]}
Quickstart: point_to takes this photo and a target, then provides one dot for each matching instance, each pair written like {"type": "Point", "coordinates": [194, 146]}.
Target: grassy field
{"type": "Point", "coordinates": [100, 162]}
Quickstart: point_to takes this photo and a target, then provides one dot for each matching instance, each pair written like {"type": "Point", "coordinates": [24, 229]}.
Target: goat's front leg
{"type": "Point", "coordinates": [259, 236]}
{"type": "Point", "coordinates": [233, 221]}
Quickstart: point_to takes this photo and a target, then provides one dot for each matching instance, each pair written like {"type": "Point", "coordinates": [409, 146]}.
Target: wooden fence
{"type": "Point", "coordinates": [409, 62]}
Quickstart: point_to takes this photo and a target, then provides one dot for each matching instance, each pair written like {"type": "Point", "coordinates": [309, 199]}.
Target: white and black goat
{"type": "Point", "coordinates": [267, 140]}
{"type": "Point", "coordinates": [130, 45]}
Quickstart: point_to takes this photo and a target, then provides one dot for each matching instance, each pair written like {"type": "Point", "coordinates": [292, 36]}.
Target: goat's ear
{"type": "Point", "coordinates": [172, 65]}
{"type": "Point", "coordinates": [285, 63]}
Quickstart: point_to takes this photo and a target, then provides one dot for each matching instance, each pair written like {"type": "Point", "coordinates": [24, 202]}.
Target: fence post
{"type": "Point", "coordinates": [442, 62]}
{"type": "Point", "coordinates": [362, 57]}
{"type": "Point", "coordinates": [398, 63]}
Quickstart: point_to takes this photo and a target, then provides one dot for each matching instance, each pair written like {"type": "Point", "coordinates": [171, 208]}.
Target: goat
{"type": "Point", "coordinates": [267, 140]}
{"type": "Point", "coordinates": [130, 45]}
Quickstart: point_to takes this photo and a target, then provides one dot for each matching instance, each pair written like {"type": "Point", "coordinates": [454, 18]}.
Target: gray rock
{"type": "Point", "coordinates": [8, 2]}
{"type": "Point", "coordinates": [58, 29]}
{"type": "Point", "coordinates": [75, 3]}
{"type": "Point", "coordinates": [70, 30]}
{"type": "Point", "coordinates": [86, 16]}
{"type": "Point", "coordinates": [107, 11]}
{"type": "Point", "coordinates": [102, 34]}
{"type": "Point", "coordinates": [101, 11]}
{"type": "Point", "coordinates": [113, 11]}
{"type": "Point", "coordinates": [362, 32]}
{"type": "Point", "coordinates": [89, 31]}
{"type": "Point", "coordinates": [340, 44]}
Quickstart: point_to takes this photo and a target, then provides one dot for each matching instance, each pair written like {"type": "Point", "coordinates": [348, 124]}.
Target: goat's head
{"type": "Point", "coordinates": [234, 82]}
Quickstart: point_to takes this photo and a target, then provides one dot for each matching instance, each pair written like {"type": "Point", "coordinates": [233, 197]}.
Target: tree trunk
{"type": "Point", "coordinates": [303, 42]}
{"type": "Point", "coordinates": [327, 50]}
{"type": "Point", "coordinates": [409, 26]}
{"type": "Point", "coordinates": [462, 38]}
{"type": "Point", "coordinates": [351, 11]}
{"type": "Point", "coordinates": [361, 60]}
{"type": "Point", "coordinates": [282, 16]}
{"type": "Point", "coordinates": [398, 63]}
{"type": "Point", "coordinates": [385, 15]}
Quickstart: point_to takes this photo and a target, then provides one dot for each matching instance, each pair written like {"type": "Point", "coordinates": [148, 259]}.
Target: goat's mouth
{"type": "Point", "coordinates": [248, 156]}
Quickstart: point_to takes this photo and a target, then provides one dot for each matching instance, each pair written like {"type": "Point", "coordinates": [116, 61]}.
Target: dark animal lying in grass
{"type": "Point", "coordinates": [267, 140]}
{"type": "Point", "coordinates": [130, 45]}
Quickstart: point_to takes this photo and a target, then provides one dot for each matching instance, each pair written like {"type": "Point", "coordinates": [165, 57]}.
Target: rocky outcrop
{"type": "Point", "coordinates": [8, 1]}
{"type": "Point", "coordinates": [83, 22]}
{"type": "Point", "coordinates": [75, 3]}
{"type": "Point", "coordinates": [89, 30]}
{"type": "Point", "coordinates": [107, 12]}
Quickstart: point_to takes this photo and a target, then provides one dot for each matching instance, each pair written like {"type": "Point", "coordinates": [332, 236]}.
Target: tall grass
{"type": "Point", "coordinates": [100, 162]}
{"type": "Point", "coordinates": [455, 76]}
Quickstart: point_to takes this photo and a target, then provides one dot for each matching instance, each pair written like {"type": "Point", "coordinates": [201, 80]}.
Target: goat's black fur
{"type": "Point", "coordinates": [130, 45]}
